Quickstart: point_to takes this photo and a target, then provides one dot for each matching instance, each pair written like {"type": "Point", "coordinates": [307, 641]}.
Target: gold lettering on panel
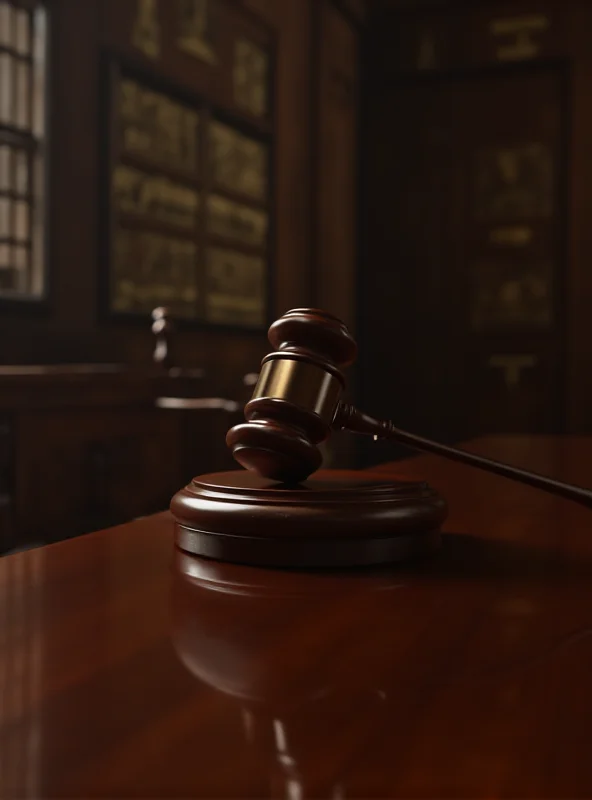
{"type": "Point", "coordinates": [158, 128]}
{"type": "Point", "coordinates": [196, 29]}
{"type": "Point", "coordinates": [518, 36]}
{"type": "Point", "coordinates": [236, 290]}
{"type": "Point", "coordinates": [511, 236]}
{"type": "Point", "coordinates": [236, 222]}
{"type": "Point", "coordinates": [504, 295]}
{"type": "Point", "coordinates": [146, 28]}
{"type": "Point", "coordinates": [251, 76]}
{"type": "Point", "coordinates": [154, 197]}
{"type": "Point", "coordinates": [514, 182]}
{"type": "Point", "coordinates": [512, 366]}
{"type": "Point", "coordinates": [151, 270]}
{"type": "Point", "coordinates": [238, 162]}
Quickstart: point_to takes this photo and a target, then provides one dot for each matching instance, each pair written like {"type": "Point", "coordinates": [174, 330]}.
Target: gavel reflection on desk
{"type": "Point", "coordinates": [232, 628]}
{"type": "Point", "coordinates": [295, 406]}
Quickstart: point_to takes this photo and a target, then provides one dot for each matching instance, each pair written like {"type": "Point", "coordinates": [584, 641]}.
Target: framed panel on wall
{"type": "Point", "coordinates": [187, 194]}
{"type": "Point", "coordinates": [153, 198]}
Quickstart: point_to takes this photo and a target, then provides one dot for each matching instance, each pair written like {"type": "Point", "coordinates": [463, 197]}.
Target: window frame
{"type": "Point", "coordinates": [32, 301]}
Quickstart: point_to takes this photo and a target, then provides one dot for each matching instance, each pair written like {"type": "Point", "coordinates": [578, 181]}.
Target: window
{"type": "Point", "coordinates": [23, 45]}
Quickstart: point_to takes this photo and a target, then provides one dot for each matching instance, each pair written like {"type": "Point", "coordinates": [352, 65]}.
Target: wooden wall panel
{"type": "Point", "coordinates": [7, 485]}
{"type": "Point", "coordinates": [337, 105]}
{"type": "Point", "coordinates": [292, 21]}
{"type": "Point", "coordinates": [452, 77]}
{"type": "Point", "coordinates": [578, 213]}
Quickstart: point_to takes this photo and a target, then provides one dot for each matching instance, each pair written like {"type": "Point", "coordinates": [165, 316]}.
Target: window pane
{"type": "Point", "coordinates": [4, 218]}
{"type": "Point", "coordinates": [21, 221]}
{"type": "Point", "coordinates": [20, 258]}
{"type": "Point", "coordinates": [6, 93]}
{"type": "Point", "coordinates": [23, 40]}
{"type": "Point", "coordinates": [5, 23]}
{"type": "Point", "coordinates": [39, 67]}
{"type": "Point", "coordinates": [5, 173]}
{"type": "Point", "coordinates": [23, 83]}
{"type": "Point", "coordinates": [21, 172]}
{"type": "Point", "coordinates": [37, 286]}
{"type": "Point", "coordinates": [23, 98]}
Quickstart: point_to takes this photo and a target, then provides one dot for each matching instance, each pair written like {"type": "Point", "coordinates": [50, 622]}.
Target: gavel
{"type": "Point", "coordinates": [296, 404]}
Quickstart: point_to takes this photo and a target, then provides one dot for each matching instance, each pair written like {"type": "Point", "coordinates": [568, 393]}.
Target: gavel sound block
{"type": "Point", "coordinates": [273, 513]}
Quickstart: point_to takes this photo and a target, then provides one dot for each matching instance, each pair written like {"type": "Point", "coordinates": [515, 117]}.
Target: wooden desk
{"type": "Point", "coordinates": [127, 671]}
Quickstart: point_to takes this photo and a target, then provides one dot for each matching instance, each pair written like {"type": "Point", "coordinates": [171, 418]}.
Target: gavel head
{"type": "Point", "coordinates": [296, 397]}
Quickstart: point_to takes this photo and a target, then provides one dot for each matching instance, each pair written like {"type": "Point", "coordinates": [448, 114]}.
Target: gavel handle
{"type": "Point", "coordinates": [349, 418]}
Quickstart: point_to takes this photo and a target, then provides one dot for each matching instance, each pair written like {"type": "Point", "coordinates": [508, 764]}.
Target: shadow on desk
{"type": "Point", "coordinates": [465, 557]}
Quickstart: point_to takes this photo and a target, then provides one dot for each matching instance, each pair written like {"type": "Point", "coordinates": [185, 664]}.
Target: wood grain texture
{"type": "Point", "coordinates": [292, 22]}
{"type": "Point", "coordinates": [128, 671]}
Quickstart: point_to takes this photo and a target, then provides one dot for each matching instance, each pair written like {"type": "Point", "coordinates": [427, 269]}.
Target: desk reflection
{"type": "Point", "coordinates": [256, 636]}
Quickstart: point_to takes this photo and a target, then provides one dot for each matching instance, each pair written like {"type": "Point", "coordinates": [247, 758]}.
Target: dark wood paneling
{"type": "Point", "coordinates": [441, 86]}
{"type": "Point", "coordinates": [579, 212]}
{"type": "Point", "coordinates": [294, 266]}
{"type": "Point", "coordinates": [336, 104]}
{"type": "Point", "coordinates": [90, 447]}
{"type": "Point", "coordinates": [463, 36]}
{"type": "Point", "coordinates": [6, 485]}
{"type": "Point", "coordinates": [449, 279]}
{"type": "Point", "coordinates": [336, 161]}
{"type": "Point", "coordinates": [83, 468]}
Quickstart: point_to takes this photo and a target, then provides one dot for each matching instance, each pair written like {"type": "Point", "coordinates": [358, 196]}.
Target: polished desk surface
{"type": "Point", "coordinates": [129, 671]}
